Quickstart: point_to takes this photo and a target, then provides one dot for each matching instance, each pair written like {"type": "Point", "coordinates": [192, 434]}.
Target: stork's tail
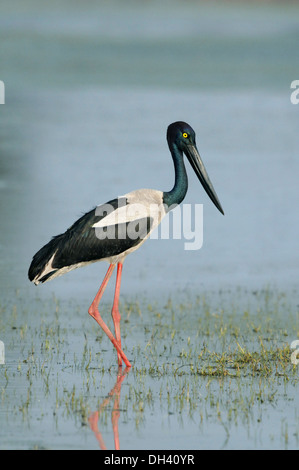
{"type": "Point", "coordinates": [42, 266]}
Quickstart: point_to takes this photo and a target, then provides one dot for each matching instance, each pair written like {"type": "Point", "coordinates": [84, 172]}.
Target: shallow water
{"type": "Point", "coordinates": [89, 94]}
{"type": "Point", "coordinates": [60, 387]}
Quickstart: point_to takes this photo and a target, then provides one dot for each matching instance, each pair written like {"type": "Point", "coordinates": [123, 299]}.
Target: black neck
{"type": "Point", "coordinates": [178, 192]}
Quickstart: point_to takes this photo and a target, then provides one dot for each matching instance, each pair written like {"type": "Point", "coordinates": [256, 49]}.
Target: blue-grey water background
{"type": "Point", "coordinates": [90, 88]}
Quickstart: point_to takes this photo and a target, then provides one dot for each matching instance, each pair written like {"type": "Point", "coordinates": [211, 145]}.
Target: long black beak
{"type": "Point", "coordinates": [198, 166]}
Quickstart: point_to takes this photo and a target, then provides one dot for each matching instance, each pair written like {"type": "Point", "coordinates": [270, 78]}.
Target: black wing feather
{"type": "Point", "coordinates": [80, 244]}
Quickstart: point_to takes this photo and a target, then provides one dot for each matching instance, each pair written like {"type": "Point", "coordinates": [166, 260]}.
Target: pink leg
{"type": "Point", "coordinates": [93, 423]}
{"type": "Point", "coordinates": [114, 418]}
{"type": "Point", "coordinates": [115, 311]}
{"type": "Point", "coordinates": [94, 417]}
{"type": "Point", "coordinates": [94, 312]}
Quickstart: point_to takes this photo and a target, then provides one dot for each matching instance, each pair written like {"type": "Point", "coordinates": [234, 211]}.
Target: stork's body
{"type": "Point", "coordinates": [113, 230]}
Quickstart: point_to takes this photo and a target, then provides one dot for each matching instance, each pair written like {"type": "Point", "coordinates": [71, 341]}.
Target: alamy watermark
{"type": "Point", "coordinates": [2, 353]}
{"type": "Point", "coordinates": [2, 92]}
{"type": "Point", "coordinates": [295, 94]}
{"type": "Point", "coordinates": [295, 354]}
{"type": "Point", "coordinates": [137, 221]}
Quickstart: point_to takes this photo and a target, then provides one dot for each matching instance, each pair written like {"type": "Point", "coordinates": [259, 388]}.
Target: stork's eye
{"type": "Point", "coordinates": [185, 135]}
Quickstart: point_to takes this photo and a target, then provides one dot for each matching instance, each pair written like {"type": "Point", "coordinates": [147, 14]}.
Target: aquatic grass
{"type": "Point", "coordinates": [224, 361]}
{"type": "Point", "coordinates": [243, 362]}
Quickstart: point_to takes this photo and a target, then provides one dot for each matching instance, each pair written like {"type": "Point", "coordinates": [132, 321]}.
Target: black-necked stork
{"type": "Point", "coordinates": [113, 230]}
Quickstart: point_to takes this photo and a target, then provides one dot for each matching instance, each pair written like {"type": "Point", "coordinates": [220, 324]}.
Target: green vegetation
{"type": "Point", "coordinates": [221, 358]}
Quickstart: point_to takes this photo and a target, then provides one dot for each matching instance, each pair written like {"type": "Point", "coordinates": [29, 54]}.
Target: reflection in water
{"type": "Point", "coordinates": [94, 417]}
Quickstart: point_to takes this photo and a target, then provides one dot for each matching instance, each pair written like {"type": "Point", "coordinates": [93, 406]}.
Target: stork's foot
{"type": "Point", "coordinates": [120, 354]}
{"type": "Point", "coordinates": [116, 320]}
